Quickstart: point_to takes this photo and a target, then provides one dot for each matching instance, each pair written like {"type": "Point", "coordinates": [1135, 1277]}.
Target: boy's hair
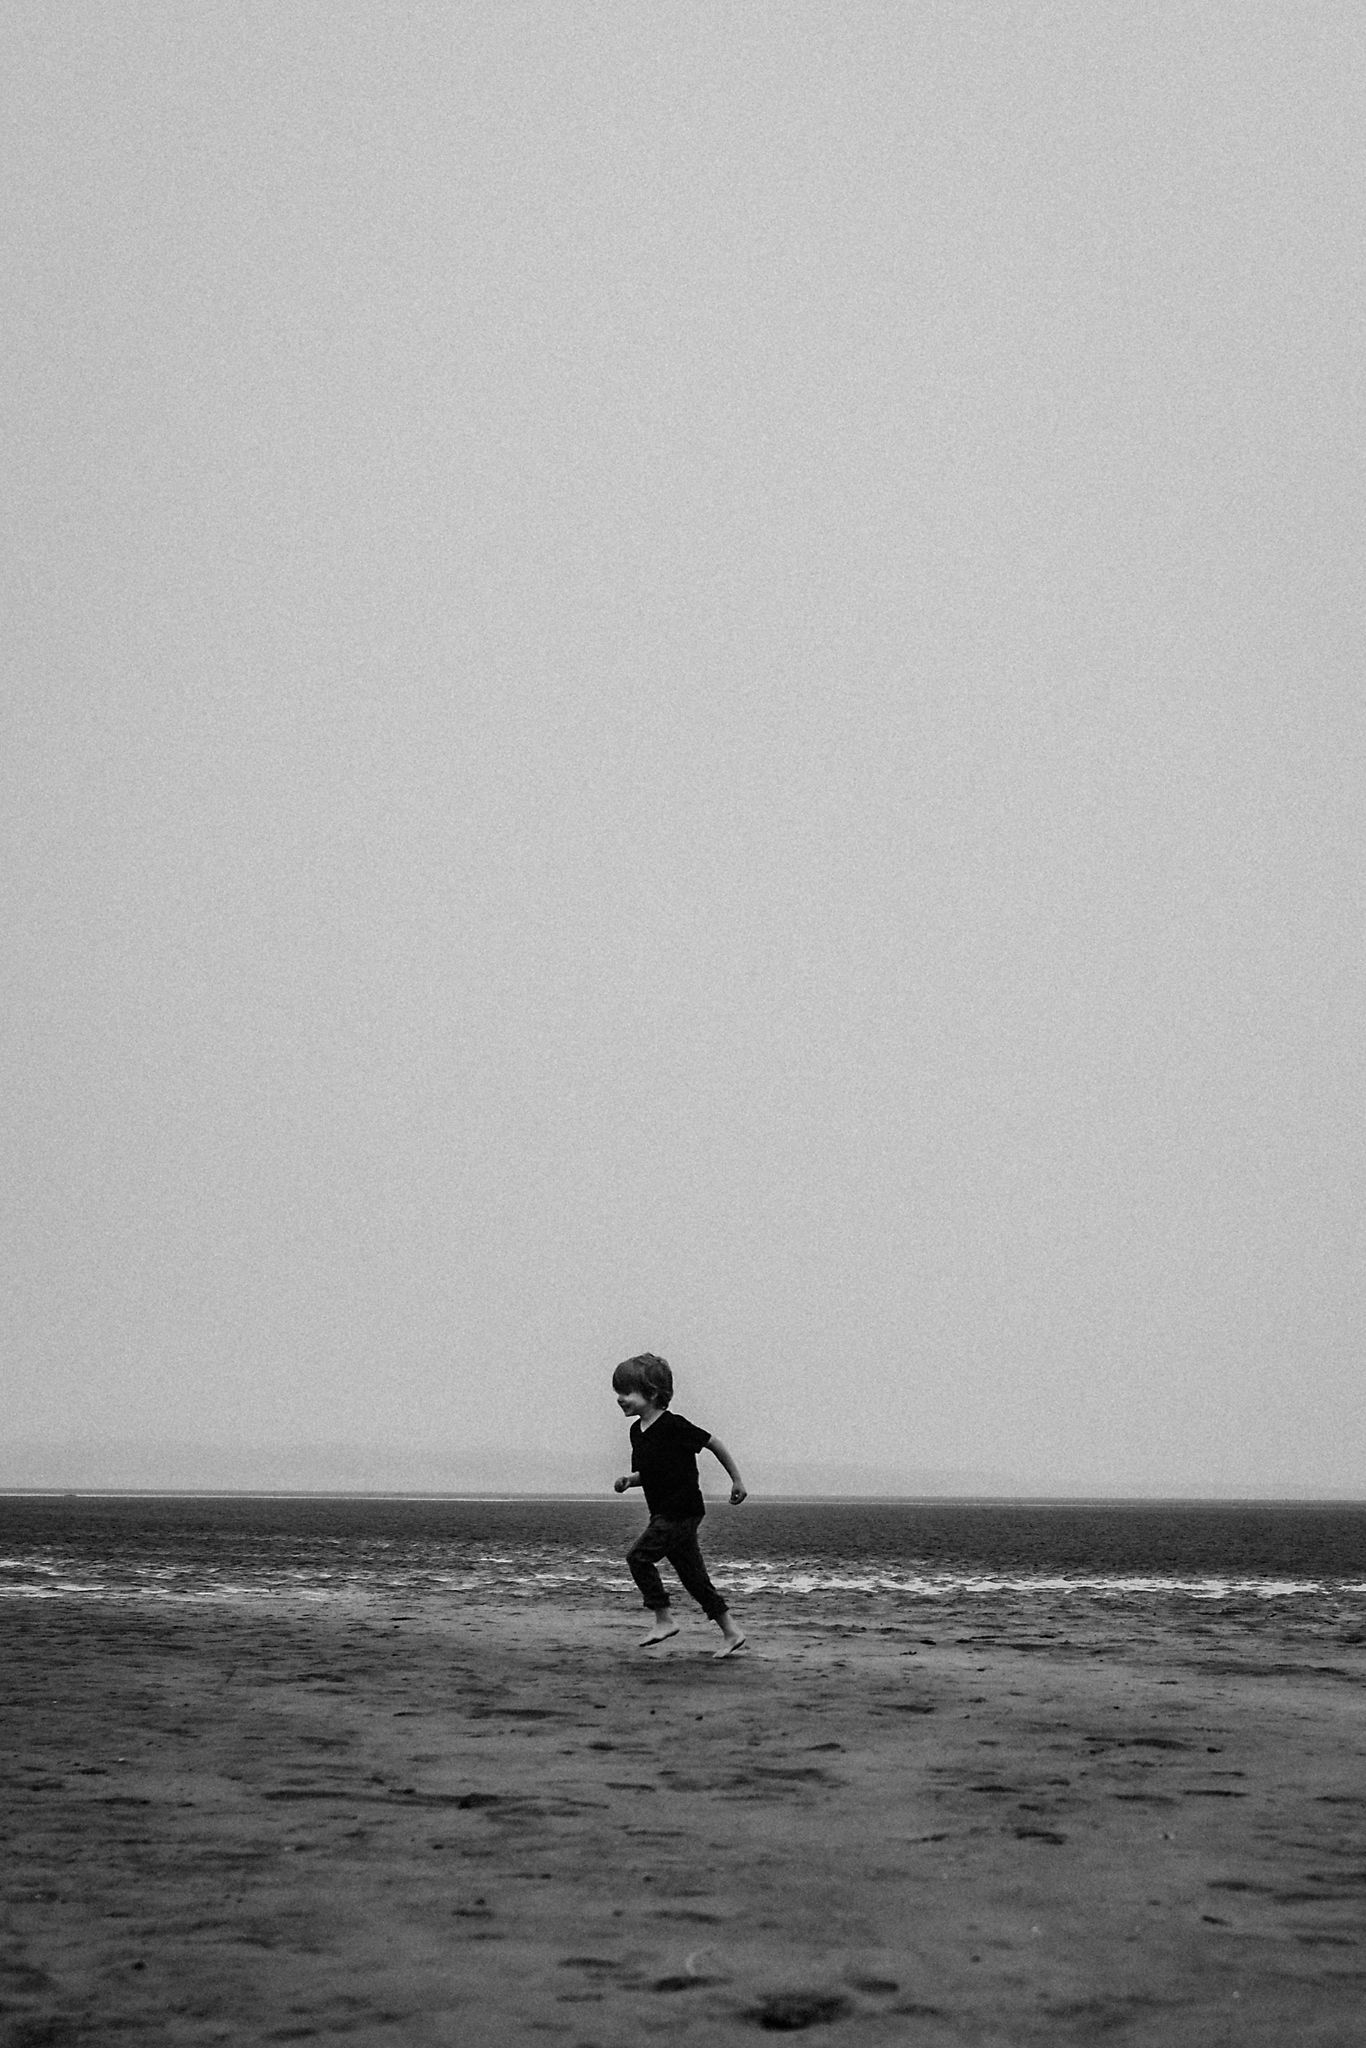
{"type": "Point", "coordinates": [645, 1375]}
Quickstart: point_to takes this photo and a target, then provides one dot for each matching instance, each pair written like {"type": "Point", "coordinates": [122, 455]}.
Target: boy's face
{"type": "Point", "coordinates": [634, 1404]}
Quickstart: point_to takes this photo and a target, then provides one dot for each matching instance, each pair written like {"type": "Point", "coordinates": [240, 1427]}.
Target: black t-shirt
{"type": "Point", "coordinates": [665, 1455]}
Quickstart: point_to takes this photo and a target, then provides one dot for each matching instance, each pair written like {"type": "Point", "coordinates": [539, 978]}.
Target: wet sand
{"type": "Point", "coordinates": [304, 1823]}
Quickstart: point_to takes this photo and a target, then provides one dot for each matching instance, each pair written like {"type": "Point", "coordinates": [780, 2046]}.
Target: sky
{"type": "Point", "coordinates": [688, 677]}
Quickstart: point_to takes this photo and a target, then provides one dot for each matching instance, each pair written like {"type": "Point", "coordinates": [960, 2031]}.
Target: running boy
{"type": "Point", "coordinates": [664, 1461]}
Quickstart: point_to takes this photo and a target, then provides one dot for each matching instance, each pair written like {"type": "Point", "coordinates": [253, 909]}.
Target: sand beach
{"type": "Point", "coordinates": [500, 1824]}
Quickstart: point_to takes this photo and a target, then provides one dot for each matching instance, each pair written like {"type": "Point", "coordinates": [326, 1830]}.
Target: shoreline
{"type": "Point", "coordinates": [604, 1497]}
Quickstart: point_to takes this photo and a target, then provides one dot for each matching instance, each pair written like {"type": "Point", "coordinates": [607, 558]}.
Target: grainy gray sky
{"type": "Point", "coordinates": [689, 677]}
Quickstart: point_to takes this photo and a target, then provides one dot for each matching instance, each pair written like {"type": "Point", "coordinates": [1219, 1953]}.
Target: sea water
{"type": "Point", "coordinates": [804, 1557]}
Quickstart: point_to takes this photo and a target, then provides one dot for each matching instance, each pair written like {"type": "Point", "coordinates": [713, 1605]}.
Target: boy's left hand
{"type": "Point", "coordinates": [737, 1494]}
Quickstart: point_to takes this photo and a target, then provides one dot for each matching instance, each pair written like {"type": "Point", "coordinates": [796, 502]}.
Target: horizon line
{"type": "Point", "coordinates": [494, 1495]}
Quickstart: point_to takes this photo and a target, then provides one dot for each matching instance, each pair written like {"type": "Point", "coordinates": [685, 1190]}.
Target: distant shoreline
{"type": "Point", "coordinates": [604, 1497]}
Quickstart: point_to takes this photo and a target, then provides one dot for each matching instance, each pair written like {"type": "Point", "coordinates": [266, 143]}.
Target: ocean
{"type": "Point", "coordinates": [1304, 1562]}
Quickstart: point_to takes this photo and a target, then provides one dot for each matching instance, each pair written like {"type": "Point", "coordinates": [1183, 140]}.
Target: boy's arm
{"type": "Point", "coordinates": [738, 1488]}
{"type": "Point", "coordinates": [626, 1479]}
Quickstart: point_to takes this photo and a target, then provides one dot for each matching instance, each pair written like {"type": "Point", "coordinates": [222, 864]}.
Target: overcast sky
{"type": "Point", "coordinates": [689, 677]}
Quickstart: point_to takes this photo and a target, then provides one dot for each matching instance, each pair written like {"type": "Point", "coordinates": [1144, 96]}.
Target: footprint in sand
{"type": "Point", "coordinates": [790, 2012]}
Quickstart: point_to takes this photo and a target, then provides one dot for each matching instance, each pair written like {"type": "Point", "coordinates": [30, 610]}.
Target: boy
{"type": "Point", "coordinates": [664, 1461]}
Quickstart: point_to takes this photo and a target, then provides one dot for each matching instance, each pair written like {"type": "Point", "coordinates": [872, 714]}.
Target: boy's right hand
{"type": "Point", "coordinates": [620, 1485]}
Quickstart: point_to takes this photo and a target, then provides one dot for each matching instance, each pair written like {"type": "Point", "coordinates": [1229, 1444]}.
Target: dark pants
{"type": "Point", "coordinates": [678, 1542]}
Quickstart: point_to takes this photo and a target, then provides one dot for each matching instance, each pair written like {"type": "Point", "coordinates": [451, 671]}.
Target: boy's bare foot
{"type": "Point", "coordinates": [730, 1646]}
{"type": "Point", "coordinates": [660, 1633]}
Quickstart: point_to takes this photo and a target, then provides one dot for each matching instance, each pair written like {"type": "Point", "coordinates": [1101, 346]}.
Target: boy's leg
{"type": "Point", "coordinates": [642, 1558]}
{"type": "Point", "coordinates": [685, 1555]}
